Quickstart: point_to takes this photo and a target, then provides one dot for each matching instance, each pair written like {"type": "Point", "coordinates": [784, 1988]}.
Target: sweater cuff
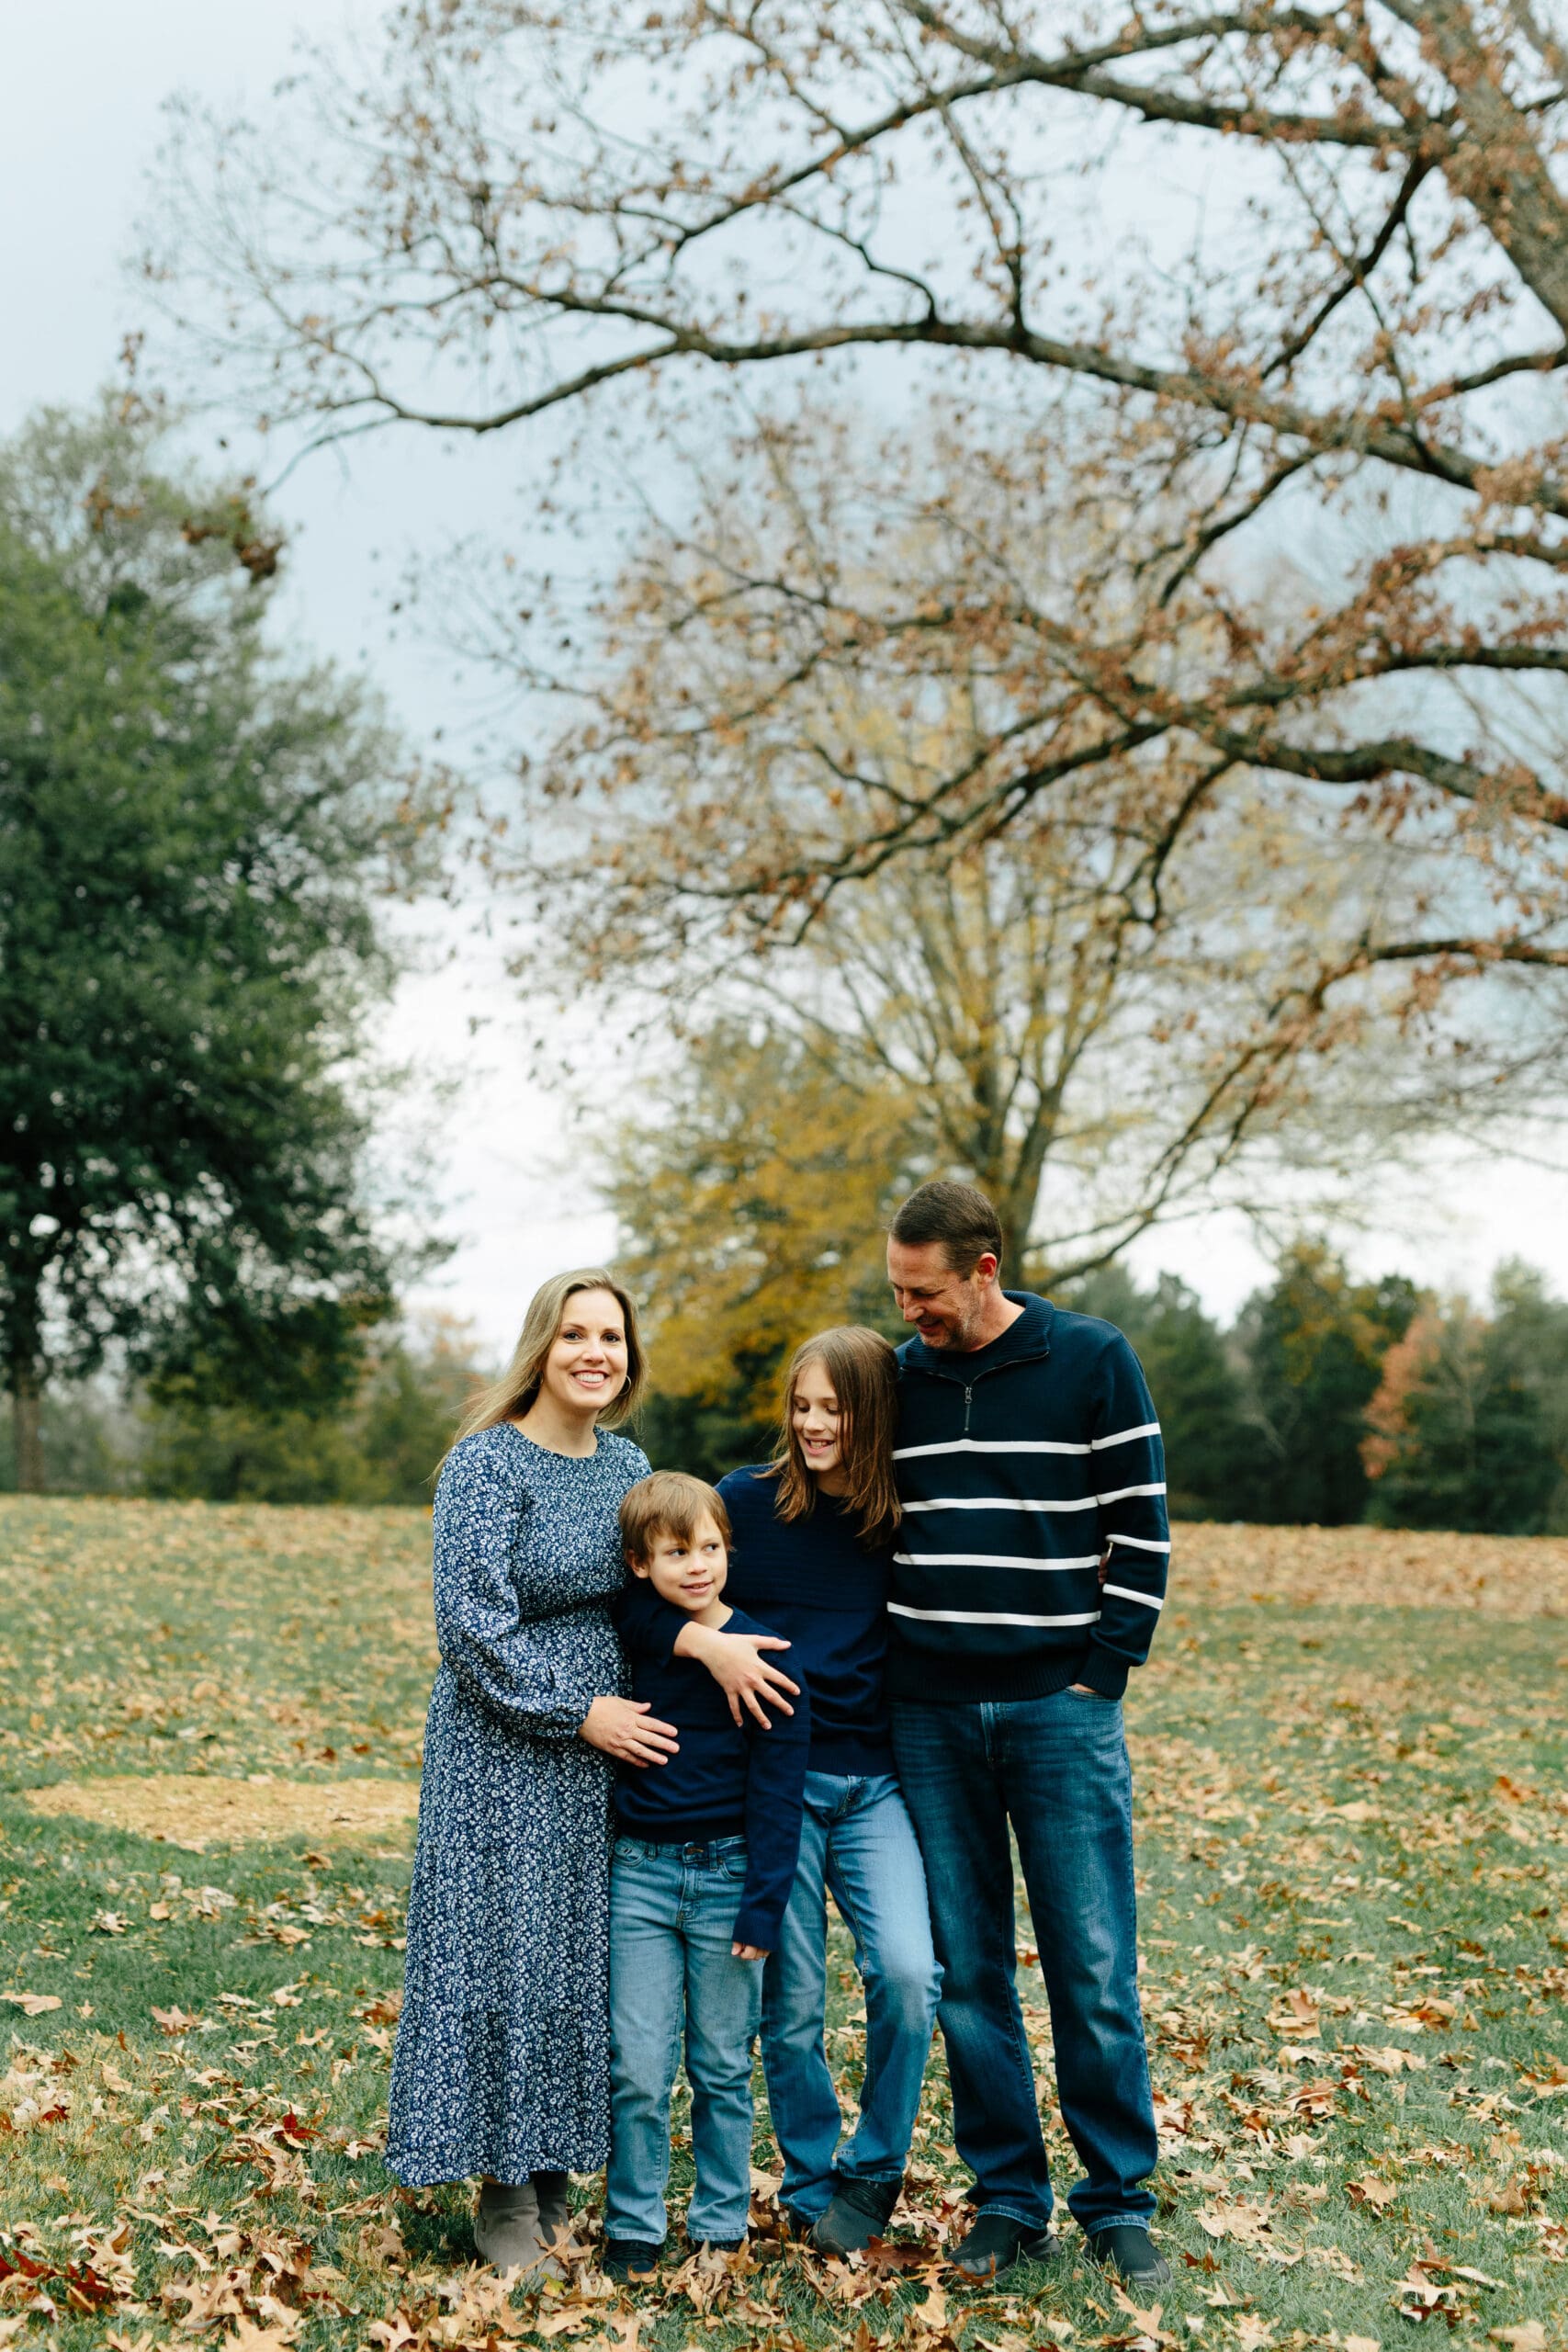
{"type": "Point", "coordinates": [758, 1924]}
{"type": "Point", "coordinates": [1104, 1671]}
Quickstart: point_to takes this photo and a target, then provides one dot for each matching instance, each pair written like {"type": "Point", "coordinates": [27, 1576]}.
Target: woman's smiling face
{"type": "Point", "coordinates": [586, 1368]}
{"type": "Point", "coordinates": [816, 1419]}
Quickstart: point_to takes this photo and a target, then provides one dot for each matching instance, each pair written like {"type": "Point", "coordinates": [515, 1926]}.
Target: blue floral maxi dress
{"type": "Point", "coordinates": [502, 2061]}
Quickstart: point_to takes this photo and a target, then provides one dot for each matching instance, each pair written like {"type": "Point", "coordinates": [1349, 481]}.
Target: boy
{"type": "Point", "coordinates": [703, 1870]}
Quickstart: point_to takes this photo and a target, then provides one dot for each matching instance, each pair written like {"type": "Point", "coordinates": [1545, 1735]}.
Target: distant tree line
{"type": "Point", "coordinates": [1328, 1401]}
{"type": "Point", "coordinates": [380, 1444]}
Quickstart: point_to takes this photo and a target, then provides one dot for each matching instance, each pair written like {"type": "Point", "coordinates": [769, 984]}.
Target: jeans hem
{"type": "Point", "coordinates": [1036, 2220]}
{"type": "Point", "coordinates": [1116, 2221]}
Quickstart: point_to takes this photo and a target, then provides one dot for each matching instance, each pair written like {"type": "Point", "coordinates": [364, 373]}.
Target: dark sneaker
{"type": "Point", "coordinates": [713, 2245]}
{"type": "Point", "coordinates": [626, 2259]}
{"type": "Point", "coordinates": [1130, 2252]}
{"type": "Point", "coordinates": [996, 2241]}
{"type": "Point", "coordinates": [859, 2212]}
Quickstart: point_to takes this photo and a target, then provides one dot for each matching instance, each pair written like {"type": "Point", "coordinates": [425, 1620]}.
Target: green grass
{"type": "Point", "coordinates": [1355, 1927]}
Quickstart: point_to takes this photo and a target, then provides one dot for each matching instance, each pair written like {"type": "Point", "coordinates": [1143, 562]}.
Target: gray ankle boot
{"type": "Point", "coordinates": [553, 2191]}
{"type": "Point", "coordinates": [506, 2226]}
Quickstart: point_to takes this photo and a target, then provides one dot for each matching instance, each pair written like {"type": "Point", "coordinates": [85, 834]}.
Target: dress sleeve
{"type": "Point", "coordinates": [478, 1623]}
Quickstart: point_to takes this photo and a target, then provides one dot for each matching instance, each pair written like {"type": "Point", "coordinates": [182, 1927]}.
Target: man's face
{"type": "Point", "coordinates": [947, 1308]}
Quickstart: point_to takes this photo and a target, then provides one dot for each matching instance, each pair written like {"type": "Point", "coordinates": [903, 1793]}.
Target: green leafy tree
{"type": "Point", "coordinates": [192, 838]}
{"type": "Point", "coordinates": [383, 1445]}
{"type": "Point", "coordinates": [1314, 1345]}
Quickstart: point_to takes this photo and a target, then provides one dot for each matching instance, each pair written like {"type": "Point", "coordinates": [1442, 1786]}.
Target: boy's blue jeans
{"type": "Point", "coordinates": [1057, 1769]}
{"type": "Point", "coordinates": [855, 1838]}
{"type": "Point", "coordinates": [671, 1922]}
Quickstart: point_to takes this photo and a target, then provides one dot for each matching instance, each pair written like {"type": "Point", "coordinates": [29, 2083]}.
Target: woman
{"type": "Point", "coordinates": [814, 1534]}
{"type": "Point", "coordinates": [502, 2057]}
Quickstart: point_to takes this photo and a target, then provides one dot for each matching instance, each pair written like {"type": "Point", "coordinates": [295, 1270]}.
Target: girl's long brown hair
{"type": "Point", "coordinates": [863, 1371]}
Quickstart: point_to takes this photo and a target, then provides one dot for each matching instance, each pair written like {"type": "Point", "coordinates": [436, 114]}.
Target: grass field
{"type": "Point", "coordinates": [1350, 1758]}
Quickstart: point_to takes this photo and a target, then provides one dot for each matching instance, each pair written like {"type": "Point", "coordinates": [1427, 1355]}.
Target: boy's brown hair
{"type": "Point", "coordinates": [669, 1502]}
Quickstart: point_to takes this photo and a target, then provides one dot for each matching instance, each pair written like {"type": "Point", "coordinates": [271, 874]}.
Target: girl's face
{"type": "Point", "coordinates": [586, 1368]}
{"type": "Point", "coordinates": [816, 1420]}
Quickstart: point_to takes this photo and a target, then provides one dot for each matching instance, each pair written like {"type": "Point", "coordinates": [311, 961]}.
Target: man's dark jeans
{"type": "Point", "coordinates": [1057, 1769]}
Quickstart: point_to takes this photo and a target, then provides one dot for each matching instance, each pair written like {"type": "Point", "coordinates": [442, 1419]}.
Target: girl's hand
{"type": "Point", "coordinates": [745, 1951]}
{"type": "Point", "coordinates": [742, 1673]}
{"type": "Point", "coordinates": [625, 1729]}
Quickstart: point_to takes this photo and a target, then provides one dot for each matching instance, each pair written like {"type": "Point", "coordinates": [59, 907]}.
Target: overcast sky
{"type": "Point", "coordinates": [80, 87]}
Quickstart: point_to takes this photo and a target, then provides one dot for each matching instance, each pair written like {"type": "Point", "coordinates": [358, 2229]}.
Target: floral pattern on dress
{"type": "Point", "coordinates": [502, 2059]}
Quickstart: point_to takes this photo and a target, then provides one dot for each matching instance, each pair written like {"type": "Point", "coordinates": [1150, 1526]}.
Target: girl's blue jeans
{"type": "Point", "coordinates": [856, 1840]}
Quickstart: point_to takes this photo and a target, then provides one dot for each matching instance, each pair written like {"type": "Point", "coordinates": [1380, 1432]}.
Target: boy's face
{"type": "Point", "coordinates": [689, 1574]}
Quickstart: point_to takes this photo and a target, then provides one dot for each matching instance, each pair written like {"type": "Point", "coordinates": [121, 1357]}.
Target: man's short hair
{"type": "Point", "coordinates": [668, 1503]}
{"type": "Point", "coordinates": [959, 1216]}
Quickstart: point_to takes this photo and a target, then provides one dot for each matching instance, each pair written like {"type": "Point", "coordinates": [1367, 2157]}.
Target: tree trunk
{"type": "Point", "coordinates": [29, 1436]}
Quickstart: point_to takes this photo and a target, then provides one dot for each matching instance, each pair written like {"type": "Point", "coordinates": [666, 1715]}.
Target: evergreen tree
{"type": "Point", "coordinates": [192, 838]}
{"type": "Point", "coordinates": [1210, 1452]}
{"type": "Point", "coordinates": [1469, 1423]}
{"type": "Point", "coordinates": [1314, 1345]}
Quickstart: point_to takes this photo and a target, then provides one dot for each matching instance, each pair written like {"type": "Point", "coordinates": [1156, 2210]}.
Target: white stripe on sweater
{"type": "Point", "coordinates": [1001, 1502]}
{"type": "Point", "coordinates": [1120, 1494]}
{"type": "Point", "coordinates": [1124, 1592]}
{"type": "Point", "coordinates": [991, 1445]}
{"type": "Point", "coordinates": [986, 1617]}
{"type": "Point", "coordinates": [989, 1560]}
{"type": "Point", "coordinates": [1124, 1436]}
{"type": "Point", "coordinates": [1139, 1542]}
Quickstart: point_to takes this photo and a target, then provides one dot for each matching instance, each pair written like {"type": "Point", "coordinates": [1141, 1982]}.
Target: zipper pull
{"type": "Point", "coordinates": [968, 1394]}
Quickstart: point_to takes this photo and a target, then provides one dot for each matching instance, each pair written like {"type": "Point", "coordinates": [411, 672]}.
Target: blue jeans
{"type": "Point", "coordinates": [671, 1922]}
{"type": "Point", "coordinates": [856, 1838]}
{"type": "Point", "coordinates": [1057, 1769]}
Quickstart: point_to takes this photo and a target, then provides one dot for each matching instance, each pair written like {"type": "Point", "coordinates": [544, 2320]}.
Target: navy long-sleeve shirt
{"type": "Point", "coordinates": [822, 1590]}
{"type": "Point", "coordinates": [726, 1781]}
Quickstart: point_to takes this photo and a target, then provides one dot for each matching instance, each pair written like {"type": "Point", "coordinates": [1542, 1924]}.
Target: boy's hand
{"type": "Point", "coordinates": [742, 1673]}
{"type": "Point", "coordinates": [745, 1951]}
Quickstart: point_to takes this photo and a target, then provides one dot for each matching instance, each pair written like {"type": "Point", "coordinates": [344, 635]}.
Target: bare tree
{"type": "Point", "coordinates": [1145, 994]}
{"type": "Point", "coordinates": [521, 207]}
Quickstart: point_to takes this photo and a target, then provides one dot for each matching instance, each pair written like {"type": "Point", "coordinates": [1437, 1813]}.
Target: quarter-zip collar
{"type": "Point", "coordinates": [1026, 1339]}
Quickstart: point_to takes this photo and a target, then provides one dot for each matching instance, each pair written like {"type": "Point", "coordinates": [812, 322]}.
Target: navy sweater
{"type": "Point", "coordinates": [1018, 1466]}
{"type": "Point", "coordinates": [726, 1782]}
{"type": "Point", "coordinates": [825, 1592]}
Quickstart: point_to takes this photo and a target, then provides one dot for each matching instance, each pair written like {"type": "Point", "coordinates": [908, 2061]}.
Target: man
{"type": "Point", "coordinates": [1029, 1463]}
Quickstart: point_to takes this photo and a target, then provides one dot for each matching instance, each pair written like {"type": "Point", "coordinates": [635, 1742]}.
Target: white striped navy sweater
{"type": "Point", "coordinates": [1018, 1466]}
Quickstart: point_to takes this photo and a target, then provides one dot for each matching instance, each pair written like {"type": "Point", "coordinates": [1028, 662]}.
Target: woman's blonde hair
{"type": "Point", "coordinates": [863, 1371]}
{"type": "Point", "coordinates": [506, 1398]}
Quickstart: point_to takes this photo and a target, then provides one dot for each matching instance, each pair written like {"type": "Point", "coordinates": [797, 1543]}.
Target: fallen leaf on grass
{"type": "Point", "coordinates": [1529, 2337]}
{"type": "Point", "coordinates": [32, 2005]}
{"type": "Point", "coordinates": [1369, 2190]}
